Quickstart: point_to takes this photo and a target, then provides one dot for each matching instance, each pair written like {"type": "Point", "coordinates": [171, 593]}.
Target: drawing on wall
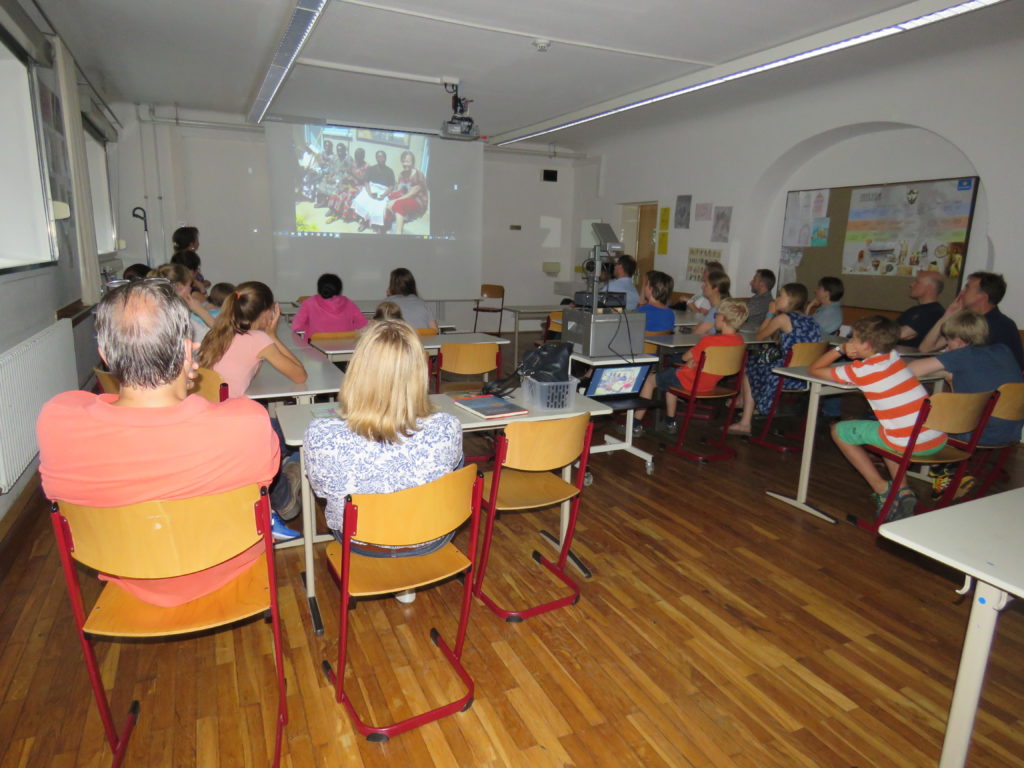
{"type": "Point", "coordinates": [802, 208]}
{"type": "Point", "coordinates": [663, 216]}
{"type": "Point", "coordinates": [895, 230]}
{"type": "Point", "coordinates": [702, 212]}
{"type": "Point", "coordinates": [697, 258]}
{"type": "Point", "coordinates": [683, 211]}
{"type": "Point", "coordinates": [819, 232]}
{"type": "Point", "coordinates": [721, 224]}
{"type": "Point", "coordinates": [662, 243]}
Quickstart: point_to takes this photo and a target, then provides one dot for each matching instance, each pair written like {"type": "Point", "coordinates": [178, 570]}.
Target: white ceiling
{"type": "Point", "coordinates": [212, 54]}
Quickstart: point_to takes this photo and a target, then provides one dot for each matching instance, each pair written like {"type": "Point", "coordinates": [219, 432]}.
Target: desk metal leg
{"type": "Point", "coordinates": [515, 340]}
{"type": "Point", "coordinates": [612, 443]}
{"type": "Point", "coordinates": [800, 502]}
{"type": "Point", "coordinates": [562, 527]}
{"type": "Point", "coordinates": [988, 602]}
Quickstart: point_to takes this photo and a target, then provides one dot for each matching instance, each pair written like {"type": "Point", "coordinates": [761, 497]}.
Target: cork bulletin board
{"type": "Point", "coordinates": [877, 237]}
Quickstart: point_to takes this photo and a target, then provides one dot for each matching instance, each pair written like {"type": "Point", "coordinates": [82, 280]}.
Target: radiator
{"type": "Point", "coordinates": [30, 374]}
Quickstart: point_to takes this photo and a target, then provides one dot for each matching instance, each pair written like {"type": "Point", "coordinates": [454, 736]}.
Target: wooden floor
{"type": "Point", "coordinates": [719, 630]}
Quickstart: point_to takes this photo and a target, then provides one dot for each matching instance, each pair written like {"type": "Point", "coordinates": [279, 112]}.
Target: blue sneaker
{"type": "Point", "coordinates": [280, 531]}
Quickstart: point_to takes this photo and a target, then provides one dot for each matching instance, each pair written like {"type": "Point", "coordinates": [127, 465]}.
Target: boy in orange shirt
{"type": "Point", "coordinates": [731, 315]}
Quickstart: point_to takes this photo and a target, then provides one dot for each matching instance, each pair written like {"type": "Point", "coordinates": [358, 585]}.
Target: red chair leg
{"type": "Point", "coordinates": [993, 474]}
{"type": "Point", "coordinates": [724, 452]}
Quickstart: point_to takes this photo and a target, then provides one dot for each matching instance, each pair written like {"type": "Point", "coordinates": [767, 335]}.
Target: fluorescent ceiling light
{"type": "Point", "coordinates": [304, 18]}
{"type": "Point", "coordinates": [894, 29]}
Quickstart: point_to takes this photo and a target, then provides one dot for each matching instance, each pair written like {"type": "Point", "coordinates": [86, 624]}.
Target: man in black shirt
{"type": "Point", "coordinates": [918, 320]}
{"type": "Point", "coordinates": [982, 294]}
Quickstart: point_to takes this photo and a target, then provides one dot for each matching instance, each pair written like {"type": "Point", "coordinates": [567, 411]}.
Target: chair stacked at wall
{"type": "Point", "coordinates": [523, 478]}
{"type": "Point", "coordinates": [466, 360]}
{"type": "Point", "coordinates": [952, 413]}
{"type": "Point", "coordinates": [726, 362]}
{"type": "Point", "coordinates": [404, 518]}
{"type": "Point", "coordinates": [488, 295]}
{"type": "Point", "coordinates": [159, 540]}
{"type": "Point", "coordinates": [1009, 406]}
{"type": "Point", "coordinates": [799, 354]}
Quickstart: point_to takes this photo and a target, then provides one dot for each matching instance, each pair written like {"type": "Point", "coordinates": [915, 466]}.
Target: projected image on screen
{"type": "Point", "coordinates": [353, 180]}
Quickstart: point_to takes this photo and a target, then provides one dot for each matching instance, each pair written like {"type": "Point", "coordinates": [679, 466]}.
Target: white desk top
{"type": "Point", "coordinates": [295, 418]}
{"type": "Point", "coordinates": [337, 348]}
{"type": "Point", "coordinates": [983, 538]}
{"type": "Point", "coordinates": [684, 340]}
{"type": "Point", "coordinates": [323, 378]}
{"type": "Point", "coordinates": [529, 309]}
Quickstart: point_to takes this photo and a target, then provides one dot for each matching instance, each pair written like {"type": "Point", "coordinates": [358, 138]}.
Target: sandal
{"type": "Point", "coordinates": [738, 429]}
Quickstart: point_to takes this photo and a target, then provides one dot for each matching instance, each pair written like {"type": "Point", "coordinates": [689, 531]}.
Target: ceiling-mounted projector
{"type": "Point", "coordinates": [459, 126]}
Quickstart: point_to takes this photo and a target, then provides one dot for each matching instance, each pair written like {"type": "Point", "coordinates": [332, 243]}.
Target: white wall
{"type": "Point", "coordinates": [874, 114]}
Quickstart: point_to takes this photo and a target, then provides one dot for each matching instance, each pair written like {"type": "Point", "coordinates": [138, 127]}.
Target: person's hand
{"type": "Point", "coordinates": [193, 301]}
{"type": "Point", "coordinates": [957, 305]}
{"type": "Point", "coordinates": [813, 307]}
{"type": "Point", "coordinates": [275, 316]}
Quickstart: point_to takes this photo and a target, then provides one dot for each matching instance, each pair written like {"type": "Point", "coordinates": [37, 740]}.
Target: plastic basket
{"type": "Point", "coordinates": [549, 395]}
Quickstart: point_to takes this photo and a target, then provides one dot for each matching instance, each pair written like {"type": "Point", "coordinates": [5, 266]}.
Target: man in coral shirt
{"type": "Point", "coordinates": [153, 441]}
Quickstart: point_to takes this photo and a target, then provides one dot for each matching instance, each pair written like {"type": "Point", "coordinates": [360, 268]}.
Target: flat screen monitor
{"type": "Point", "coordinates": [618, 380]}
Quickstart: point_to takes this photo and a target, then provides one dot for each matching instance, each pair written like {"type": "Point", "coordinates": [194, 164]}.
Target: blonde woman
{"type": "Point", "coordinates": [388, 438]}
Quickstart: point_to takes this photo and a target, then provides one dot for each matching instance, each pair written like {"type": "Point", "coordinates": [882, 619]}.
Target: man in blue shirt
{"type": "Point", "coordinates": [622, 280]}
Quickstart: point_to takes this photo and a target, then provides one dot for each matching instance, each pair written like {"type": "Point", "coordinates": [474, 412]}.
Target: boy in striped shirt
{"type": "Point", "coordinates": [894, 395]}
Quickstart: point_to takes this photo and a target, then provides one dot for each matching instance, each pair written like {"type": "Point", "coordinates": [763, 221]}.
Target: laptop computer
{"type": "Point", "coordinates": [611, 383]}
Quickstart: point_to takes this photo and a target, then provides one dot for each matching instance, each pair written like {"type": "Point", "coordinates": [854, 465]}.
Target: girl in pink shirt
{"type": "Point", "coordinates": [328, 311]}
{"type": "Point", "coordinates": [244, 335]}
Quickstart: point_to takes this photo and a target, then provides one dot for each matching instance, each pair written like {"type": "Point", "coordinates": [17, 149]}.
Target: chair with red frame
{"type": "Point", "coordinates": [160, 540]}
{"type": "Point", "coordinates": [490, 292]}
{"type": "Point", "coordinates": [724, 362]}
{"type": "Point", "coordinates": [109, 383]}
{"type": "Point", "coordinates": [949, 412]}
{"type": "Point", "coordinates": [466, 360]}
{"type": "Point", "coordinates": [403, 518]}
{"type": "Point", "coordinates": [552, 324]}
{"type": "Point", "coordinates": [209, 384]}
{"type": "Point", "coordinates": [799, 354]}
{"type": "Point", "coordinates": [523, 478]}
{"type": "Point", "coordinates": [1009, 406]}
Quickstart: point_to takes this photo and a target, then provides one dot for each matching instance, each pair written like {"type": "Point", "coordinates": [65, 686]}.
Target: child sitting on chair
{"type": "Point", "coordinates": [730, 315]}
{"type": "Point", "coordinates": [896, 398]}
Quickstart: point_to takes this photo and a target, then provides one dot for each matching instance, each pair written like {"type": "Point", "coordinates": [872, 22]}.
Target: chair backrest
{"type": "Point", "coordinates": [209, 384]}
{"type": "Point", "coordinates": [544, 445]}
{"type": "Point", "coordinates": [724, 361]}
{"type": "Point", "coordinates": [417, 514]}
{"type": "Point", "coordinates": [301, 299]}
{"type": "Point", "coordinates": [469, 359]}
{"type": "Point", "coordinates": [108, 382]}
{"type": "Point", "coordinates": [427, 331]}
{"type": "Point", "coordinates": [160, 539]}
{"type": "Point", "coordinates": [1010, 405]}
{"type": "Point", "coordinates": [554, 322]}
{"type": "Point", "coordinates": [652, 349]}
{"type": "Point", "coordinates": [490, 291]}
{"type": "Point", "coordinates": [957, 412]}
{"type": "Point", "coordinates": [806, 352]}
{"type": "Point", "coordinates": [329, 335]}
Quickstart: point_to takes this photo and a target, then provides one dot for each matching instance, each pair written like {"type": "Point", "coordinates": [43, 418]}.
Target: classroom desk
{"type": "Point", "coordinates": [369, 306]}
{"type": "Point", "coordinates": [337, 350]}
{"type": "Point", "coordinates": [520, 312]}
{"type": "Point", "coordinates": [295, 418]}
{"type": "Point", "coordinates": [323, 378]}
{"type": "Point", "coordinates": [687, 340]}
{"type": "Point", "coordinates": [818, 387]}
{"type": "Point", "coordinates": [983, 539]}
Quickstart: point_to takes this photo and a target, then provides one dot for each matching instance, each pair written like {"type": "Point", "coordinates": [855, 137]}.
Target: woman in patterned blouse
{"type": "Point", "coordinates": [387, 437]}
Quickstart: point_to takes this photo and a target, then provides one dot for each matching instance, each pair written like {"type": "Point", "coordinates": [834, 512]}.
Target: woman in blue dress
{"type": "Point", "coordinates": [786, 317]}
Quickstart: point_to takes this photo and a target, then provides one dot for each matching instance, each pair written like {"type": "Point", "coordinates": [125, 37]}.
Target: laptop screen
{"type": "Point", "coordinates": [618, 380]}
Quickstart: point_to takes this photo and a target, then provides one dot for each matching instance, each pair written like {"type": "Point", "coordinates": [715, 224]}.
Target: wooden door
{"type": "Point", "coordinates": [646, 234]}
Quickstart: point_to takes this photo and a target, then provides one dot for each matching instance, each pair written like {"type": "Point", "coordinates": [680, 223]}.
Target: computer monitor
{"type": "Point", "coordinates": [618, 380]}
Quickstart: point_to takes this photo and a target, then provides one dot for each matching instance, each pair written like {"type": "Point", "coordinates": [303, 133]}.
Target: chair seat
{"type": "Point", "coordinates": [118, 613]}
{"type": "Point", "coordinates": [948, 455]}
{"type": "Point", "coordinates": [529, 490]}
{"type": "Point", "coordinates": [384, 575]}
{"type": "Point", "coordinates": [718, 391]}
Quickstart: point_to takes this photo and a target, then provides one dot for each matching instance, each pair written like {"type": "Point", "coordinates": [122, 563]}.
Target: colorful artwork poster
{"type": "Point", "coordinates": [697, 258]}
{"type": "Point", "coordinates": [683, 203]}
{"type": "Point", "coordinates": [721, 224]}
{"type": "Point", "coordinates": [802, 208]}
{"type": "Point", "coordinates": [702, 212]}
{"type": "Point", "coordinates": [896, 230]}
{"type": "Point", "coordinates": [819, 232]}
{"type": "Point", "coordinates": [663, 217]}
{"type": "Point", "coordinates": [662, 243]}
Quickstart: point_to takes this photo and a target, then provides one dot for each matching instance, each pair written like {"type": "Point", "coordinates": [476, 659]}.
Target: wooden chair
{"type": "Point", "coordinates": [465, 360]}
{"type": "Point", "coordinates": [427, 331]}
{"type": "Point", "coordinates": [717, 361]}
{"type": "Point", "coordinates": [109, 383]}
{"type": "Point", "coordinates": [209, 384]}
{"type": "Point", "coordinates": [654, 349]}
{"type": "Point", "coordinates": [407, 517]}
{"type": "Point", "coordinates": [525, 457]}
{"type": "Point", "coordinates": [1009, 406]}
{"type": "Point", "coordinates": [333, 335]}
{"type": "Point", "coordinates": [552, 325]}
{"type": "Point", "coordinates": [490, 292]}
{"type": "Point", "coordinates": [949, 412]}
{"type": "Point", "coordinates": [799, 354]}
{"type": "Point", "coordinates": [164, 539]}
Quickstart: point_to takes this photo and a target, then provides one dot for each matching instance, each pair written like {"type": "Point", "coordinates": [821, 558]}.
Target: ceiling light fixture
{"type": "Point", "coordinates": [300, 26]}
{"type": "Point", "coordinates": [894, 29]}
